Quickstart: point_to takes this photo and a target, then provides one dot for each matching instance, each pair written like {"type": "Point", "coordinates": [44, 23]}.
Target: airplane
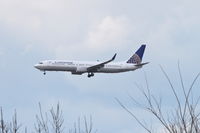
{"type": "Point", "coordinates": [81, 67]}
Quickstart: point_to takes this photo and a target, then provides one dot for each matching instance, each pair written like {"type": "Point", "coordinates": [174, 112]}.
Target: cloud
{"type": "Point", "coordinates": [19, 14]}
{"type": "Point", "coordinates": [67, 27]}
{"type": "Point", "coordinates": [109, 33]}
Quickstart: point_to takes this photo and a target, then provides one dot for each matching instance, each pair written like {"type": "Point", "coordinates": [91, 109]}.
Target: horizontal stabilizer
{"type": "Point", "coordinates": [142, 64]}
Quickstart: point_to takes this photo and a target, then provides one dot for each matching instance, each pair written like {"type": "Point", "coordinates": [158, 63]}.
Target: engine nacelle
{"type": "Point", "coordinates": [81, 70]}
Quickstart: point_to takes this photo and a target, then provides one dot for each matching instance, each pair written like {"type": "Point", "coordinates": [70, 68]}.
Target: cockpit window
{"type": "Point", "coordinates": [40, 63]}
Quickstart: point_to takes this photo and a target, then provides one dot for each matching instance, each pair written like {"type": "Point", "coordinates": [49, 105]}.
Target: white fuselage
{"type": "Point", "coordinates": [80, 67]}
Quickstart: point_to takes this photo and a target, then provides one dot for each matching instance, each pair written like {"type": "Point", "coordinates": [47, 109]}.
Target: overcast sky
{"type": "Point", "coordinates": [34, 30]}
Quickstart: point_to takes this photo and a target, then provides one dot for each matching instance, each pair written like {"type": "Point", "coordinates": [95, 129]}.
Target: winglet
{"type": "Point", "coordinates": [113, 58]}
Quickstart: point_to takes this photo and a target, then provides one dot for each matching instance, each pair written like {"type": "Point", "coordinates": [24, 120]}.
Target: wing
{"type": "Point", "coordinates": [98, 66]}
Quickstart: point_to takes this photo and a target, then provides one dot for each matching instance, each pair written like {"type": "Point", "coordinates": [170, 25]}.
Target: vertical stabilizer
{"type": "Point", "coordinates": [137, 57]}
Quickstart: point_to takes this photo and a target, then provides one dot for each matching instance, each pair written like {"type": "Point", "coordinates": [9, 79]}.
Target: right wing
{"type": "Point", "coordinates": [98, 66]}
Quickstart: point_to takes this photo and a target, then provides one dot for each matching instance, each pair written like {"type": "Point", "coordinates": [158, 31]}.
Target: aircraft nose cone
{"type": "Point", "coordinates": [37, 66]}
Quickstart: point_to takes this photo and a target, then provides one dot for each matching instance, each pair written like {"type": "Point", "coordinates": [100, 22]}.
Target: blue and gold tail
{"type": "Point", "coordinates": [137, 57]}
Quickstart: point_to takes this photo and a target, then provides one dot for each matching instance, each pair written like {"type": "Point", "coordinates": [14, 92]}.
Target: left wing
{"type": "Point", "coordinates": [98, 66]}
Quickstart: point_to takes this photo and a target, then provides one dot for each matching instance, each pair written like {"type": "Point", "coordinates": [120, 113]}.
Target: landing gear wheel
{"type": "Point", "coordinates": [90, 75]}
{"type": "Point", "coordinates": [44, 73]}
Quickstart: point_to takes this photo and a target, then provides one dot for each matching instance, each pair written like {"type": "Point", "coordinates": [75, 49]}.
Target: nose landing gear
{"type": "Point", "coordinates": [90, 75]}
{"type": "Point", "coordinates": [44, 73]}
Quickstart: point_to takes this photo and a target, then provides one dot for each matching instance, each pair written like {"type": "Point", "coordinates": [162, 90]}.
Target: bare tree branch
{"type": "Point", "coordinates": [57, 120]}
{"type": "Point", "coordinates": [182, 119]}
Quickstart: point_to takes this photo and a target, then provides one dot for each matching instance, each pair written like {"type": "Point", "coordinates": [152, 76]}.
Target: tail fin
{"type": "Point", "coordinates": [137, 57]}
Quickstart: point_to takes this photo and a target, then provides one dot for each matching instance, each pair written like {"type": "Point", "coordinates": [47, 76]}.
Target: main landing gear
{"type": "Point", "coordinates": [90, 75]}
{"type": "Point", "coordinates": [44, 73]}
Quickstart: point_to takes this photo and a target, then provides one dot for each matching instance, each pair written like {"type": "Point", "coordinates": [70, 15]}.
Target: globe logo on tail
{"type": "Point", "coordinates": [135, 59]}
